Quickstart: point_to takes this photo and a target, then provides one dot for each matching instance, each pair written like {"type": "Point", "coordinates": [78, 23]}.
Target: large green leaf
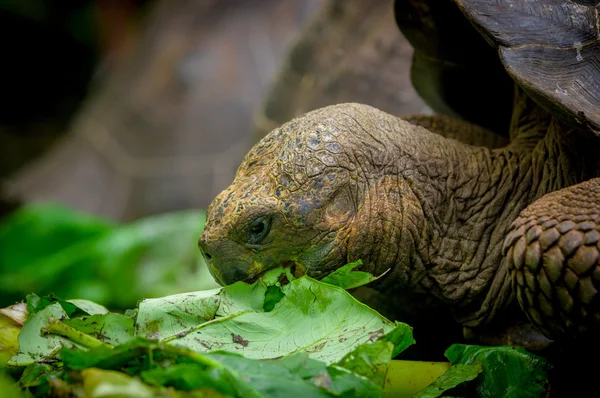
{"type": "Point", "coordinates": [313, 317]}
{"type": "Point", "coordinates": [320, 341]}
{"type": "Point", "coordinates": [507, 371]}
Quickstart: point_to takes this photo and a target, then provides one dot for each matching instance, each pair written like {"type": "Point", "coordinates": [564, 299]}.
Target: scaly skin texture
{"type": "Point", "coordinates": [459, 130]}
{"type": "Point", "coordinates": [350, 182]}
{"type": "Point", "coordinates": [554, 259]}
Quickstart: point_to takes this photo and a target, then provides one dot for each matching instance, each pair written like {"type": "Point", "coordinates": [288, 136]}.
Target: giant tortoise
{"type": "Point", "coordinates": [473, 230]}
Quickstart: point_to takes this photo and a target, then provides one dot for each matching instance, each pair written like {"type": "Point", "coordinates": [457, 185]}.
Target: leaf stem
{"type": "Point", "coordinates": [55, 326]}
{"type": "Point", "coordinates": [196, 328]}
{"type": "Point", "coordinates": [193, 355]}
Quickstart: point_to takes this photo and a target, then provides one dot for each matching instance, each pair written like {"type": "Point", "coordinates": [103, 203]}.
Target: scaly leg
{"type": "Point", "coordinates": [553, 253]}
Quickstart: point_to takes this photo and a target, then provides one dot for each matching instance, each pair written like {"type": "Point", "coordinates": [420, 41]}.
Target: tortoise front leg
{"type": "Point", "coordinates": [553, 253]}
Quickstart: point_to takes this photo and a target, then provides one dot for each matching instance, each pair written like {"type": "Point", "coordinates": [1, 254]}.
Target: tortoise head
{"type": "Point", "coordinates": [333, 186]}
{"type": "Point", "coordinates": [292, 203]}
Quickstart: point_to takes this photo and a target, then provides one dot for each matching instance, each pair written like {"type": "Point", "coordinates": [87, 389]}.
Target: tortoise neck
{"type": "Point", "coordinates": [436, 211]}
{"type": "Point", "coordinates": [454, 204]}
{"type": "Point", "coordinates": [543, 156]}
{"type": "Point", "coordinates": [435, 205]}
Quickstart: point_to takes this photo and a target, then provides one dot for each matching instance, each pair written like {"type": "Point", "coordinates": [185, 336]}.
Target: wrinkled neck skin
{"type": "Point", "coordinates": [435, 211]}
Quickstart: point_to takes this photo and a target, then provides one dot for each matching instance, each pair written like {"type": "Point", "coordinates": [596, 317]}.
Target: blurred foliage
{"type": "Point", "coordinates": [49, 248]}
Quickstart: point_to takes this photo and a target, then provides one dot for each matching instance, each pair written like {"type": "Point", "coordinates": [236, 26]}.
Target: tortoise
{"type": "Point", "coordinates": [474, 230]}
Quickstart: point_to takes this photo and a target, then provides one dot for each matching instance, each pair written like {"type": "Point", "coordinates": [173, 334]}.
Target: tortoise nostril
{"type": "Point", "coordinates": [205, 252]}
{"type": "Point", "coordinates": [204, 248]}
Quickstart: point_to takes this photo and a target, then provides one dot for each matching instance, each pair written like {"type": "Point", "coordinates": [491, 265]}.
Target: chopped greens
{"type": "Point", "coordinates": [309, 337]}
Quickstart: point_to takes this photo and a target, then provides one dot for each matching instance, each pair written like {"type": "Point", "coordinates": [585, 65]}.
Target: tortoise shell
{"type": "Point", "coordinates": [551, 48]}
{"type": "Point", "coordinates": [453, 69]}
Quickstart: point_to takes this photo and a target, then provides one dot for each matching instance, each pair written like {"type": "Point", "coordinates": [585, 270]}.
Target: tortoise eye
{"type": "Point", "coordinates": [258, 230]}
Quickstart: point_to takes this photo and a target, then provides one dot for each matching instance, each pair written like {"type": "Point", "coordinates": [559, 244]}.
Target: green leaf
{"type": "Point", "coordinates": [169, 316]}
{"type": "Point", "coordinates": [191, 376]}
{"type": "Point", "coordinates": [369, 360]}
{"type": "Point", "coordinates": [314, 317]}
{"type": "Point", "coordinates": [33, 303]}
{"type": "Point", "coordinates": [89, 307]}
{"type": "Point", "coordinates": [231, 318]}
{"type": "Point", "coordinates": [267, 378]}
{"type": "Point", "coordinates": [338, 380]}
{"type": "Point", "coordinates": [32, 346]}
{"type": "Point", "coordinates": [113, 329]}
{"type": "Point", "coordinates": [273, 296]}
{"type": "Point", "coordinates": [302, 365]}
{"type": "Point", "coordinates": [291, 336]}
{"type": "Point", "coordinates": [401, 337]}
{"type": "Point", "coordinates": [271, 277]}
{"type": "Point", "coordinates": [135, 355]}
{"type": "Point", "coordinates": [38, 376]}
{"type": "Point", "coordinates": [346, 278]}
{"type": "Point", "coordinates": [227, 373]}
{"type": "Point", "coordinates": [507, 371]}
{"type": "Point", "coordinates": [347, 384]}
{"type": "Point", "coordinates": [36, 304]}
{"type": "Point", "coordinates": [457, 374]}
{"type": "Point", "coordinates": [241, 297]}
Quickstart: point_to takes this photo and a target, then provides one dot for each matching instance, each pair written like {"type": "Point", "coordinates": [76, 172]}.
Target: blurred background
{"type": "Point", "coordinates": [131, 115]}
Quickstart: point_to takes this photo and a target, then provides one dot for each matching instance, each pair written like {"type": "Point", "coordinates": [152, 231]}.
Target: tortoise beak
{"type": "Point", "coordinates": [230, 274]}
{"type": "Point", "coordinates": [226, 262]}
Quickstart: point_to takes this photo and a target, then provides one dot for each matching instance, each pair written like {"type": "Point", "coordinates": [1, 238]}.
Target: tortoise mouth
{"type": "Point", "coordinates": [296, 269]}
